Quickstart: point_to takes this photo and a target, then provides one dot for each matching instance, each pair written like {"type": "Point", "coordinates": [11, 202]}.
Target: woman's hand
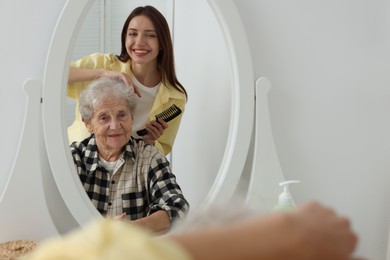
{"type": "Point", "coordinates": [155, 129]}
{"type": "Point", "coordinates": [120, 217]}
{"type": "Point", "coordinates": [310, 232]}
{"type": "Point", "coordinates": [324, 234]}
{"type": "Point", "coordinates": [126, 78]}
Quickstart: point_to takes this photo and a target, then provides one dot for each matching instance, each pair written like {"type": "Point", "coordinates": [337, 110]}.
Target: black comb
{"type": "Point", "coordinates": [167, 115]}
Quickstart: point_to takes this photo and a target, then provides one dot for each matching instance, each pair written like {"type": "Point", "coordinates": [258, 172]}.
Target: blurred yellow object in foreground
{"type": "Point", "coordinates": [106, 239]}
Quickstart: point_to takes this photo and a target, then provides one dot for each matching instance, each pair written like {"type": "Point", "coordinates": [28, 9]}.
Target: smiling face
{"type": "Point", "coordinates": [111, 123]}
{"type": "Point", "coordinates": [141, 41]}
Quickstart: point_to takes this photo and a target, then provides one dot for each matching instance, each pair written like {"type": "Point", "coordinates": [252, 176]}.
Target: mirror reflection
{"type": "Point", "coordinates": [127, 120]}
{"type": "Point", "coordinates": [198, 152]}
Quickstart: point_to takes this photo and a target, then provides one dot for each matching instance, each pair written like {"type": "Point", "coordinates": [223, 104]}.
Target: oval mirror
{"type": "Point", "coordinates": [222, 181]}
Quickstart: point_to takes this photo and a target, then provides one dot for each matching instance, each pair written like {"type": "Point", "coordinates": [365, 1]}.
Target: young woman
{"type": "Point", "coordinates": [146, 62]}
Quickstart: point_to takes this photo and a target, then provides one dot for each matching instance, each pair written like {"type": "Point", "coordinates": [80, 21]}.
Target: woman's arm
{"type": "Point", "coordinates": [158, 222]}
{"type": "Point", "coordinates": [82, 74]}
{"type": "Point", "coordinates": [310, 232]}
{"type": "Point", "coordinates": [165, 195]}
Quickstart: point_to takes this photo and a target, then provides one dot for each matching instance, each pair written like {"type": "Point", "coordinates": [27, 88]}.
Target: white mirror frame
{"type": "Point", "coordinates": [54, 91]}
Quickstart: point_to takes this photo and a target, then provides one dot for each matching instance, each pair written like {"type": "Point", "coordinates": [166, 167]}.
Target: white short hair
{"type": "Point", "coordinates": [102, 88]}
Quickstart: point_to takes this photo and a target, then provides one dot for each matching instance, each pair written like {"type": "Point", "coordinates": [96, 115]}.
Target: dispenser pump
{"type": "Point", "coordinates": [285, 200]}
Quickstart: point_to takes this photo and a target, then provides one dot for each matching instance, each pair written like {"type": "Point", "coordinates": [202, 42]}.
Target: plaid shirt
{"type": "Point", "coordinates": [151, 185]}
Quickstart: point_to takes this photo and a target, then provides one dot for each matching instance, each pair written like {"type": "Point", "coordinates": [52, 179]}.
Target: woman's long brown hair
{"type": "Point", "coordinates": [165, 59]}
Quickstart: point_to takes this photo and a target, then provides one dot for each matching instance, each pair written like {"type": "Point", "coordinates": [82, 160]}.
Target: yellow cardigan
{"type": "Point", "coordinates": [166, 96]}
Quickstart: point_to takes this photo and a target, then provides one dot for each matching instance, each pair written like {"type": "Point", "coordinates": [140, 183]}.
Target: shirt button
{"type": "Point", "coordinates": [112, 182]}
{"type": "Point", "coordinates": [109, 203]}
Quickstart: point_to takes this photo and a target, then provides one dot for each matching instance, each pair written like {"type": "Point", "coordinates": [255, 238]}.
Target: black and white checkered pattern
{"type": "Point", "coordinates": [148, 184]}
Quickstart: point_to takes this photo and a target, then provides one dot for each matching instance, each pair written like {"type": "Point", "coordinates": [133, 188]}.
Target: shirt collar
{"type": "Point", "coordinates": [91, 157]}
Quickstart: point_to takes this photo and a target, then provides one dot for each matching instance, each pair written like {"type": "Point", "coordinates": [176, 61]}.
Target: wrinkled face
{"type": "Point", "coordinates": [111, 123]}
{"type": "Point", "coordinates": [141, 40]}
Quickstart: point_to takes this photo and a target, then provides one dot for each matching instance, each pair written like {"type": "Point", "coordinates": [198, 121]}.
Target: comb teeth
{"type": "Point", "coordinates": [167, 115]}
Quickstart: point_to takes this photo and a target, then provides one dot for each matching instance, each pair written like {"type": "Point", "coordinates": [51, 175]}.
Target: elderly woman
{"type": "Point", "coordinates": [124, 177]}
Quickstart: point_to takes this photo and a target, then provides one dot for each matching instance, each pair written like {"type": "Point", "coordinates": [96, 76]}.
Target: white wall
{"type": "Point", "coordinates": [329, 64]}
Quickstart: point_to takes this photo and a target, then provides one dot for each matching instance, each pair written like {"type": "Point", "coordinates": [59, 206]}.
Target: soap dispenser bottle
{"type": "Point", "coordinates": [285, 200]}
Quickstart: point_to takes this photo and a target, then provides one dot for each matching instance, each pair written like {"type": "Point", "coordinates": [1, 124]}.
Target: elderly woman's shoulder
{"type": "Point", "coordinates": [81, 147]}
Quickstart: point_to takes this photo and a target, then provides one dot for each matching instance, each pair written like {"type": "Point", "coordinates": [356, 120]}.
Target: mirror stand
{"type": "Point", "coordinates": [24, 192]}
{"type": "Point", "coordinates": [266, 171]}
